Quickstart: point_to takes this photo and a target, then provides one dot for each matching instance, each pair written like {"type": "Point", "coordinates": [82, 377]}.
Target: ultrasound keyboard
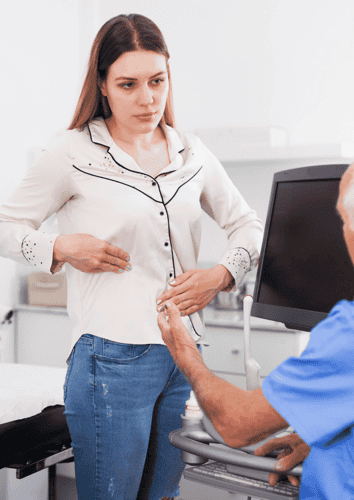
{"type": "Point", "coordinates": [216, 474]}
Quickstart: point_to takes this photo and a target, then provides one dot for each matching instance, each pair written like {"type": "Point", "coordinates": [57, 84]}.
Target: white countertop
{"type": "Point", "coordinates": [212, 317]}
{"type": "Point", "coordinates": [234, 319]}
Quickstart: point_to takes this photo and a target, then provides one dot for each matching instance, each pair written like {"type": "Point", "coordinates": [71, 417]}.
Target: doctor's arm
{"type": "Point", "coordinates": [241, 417]}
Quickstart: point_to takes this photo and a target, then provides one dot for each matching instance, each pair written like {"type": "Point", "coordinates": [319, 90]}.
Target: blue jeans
{"type": "Point", "coordinates": [121, 403]}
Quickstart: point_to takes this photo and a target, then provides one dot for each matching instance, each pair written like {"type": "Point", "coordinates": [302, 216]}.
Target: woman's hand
{"type": "Point", "coordinates": [295, 451]}
{"type": "Point", "coordinates": [194, 289]}
{"type": "Point", "coordinates": [89, 254]}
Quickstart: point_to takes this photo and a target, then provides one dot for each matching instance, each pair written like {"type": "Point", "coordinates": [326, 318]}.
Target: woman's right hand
{"type": "Point", "coordinates": [295, 451]}
{"type": "Point", "coordinates": [89, 254]}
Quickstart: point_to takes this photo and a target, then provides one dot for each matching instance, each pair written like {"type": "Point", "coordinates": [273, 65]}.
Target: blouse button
{"type": "Point", "coordinates": [154, 183]}
{"type": "Point", "coordinates": [161, 213]}
{"type": "Point", "coordinates": [166, 244]}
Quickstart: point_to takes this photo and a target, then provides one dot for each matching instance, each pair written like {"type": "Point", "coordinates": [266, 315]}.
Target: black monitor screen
{"type": "Point", "coordinates": [305, 266]}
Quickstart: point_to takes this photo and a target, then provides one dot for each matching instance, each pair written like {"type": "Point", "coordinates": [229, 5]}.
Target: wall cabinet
{"type": "Point", "coordinates": [225, 354]}
{"type": "Point", "coordinates": [42, 335]}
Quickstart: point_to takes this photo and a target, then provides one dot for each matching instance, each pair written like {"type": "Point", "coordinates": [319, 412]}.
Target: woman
{"type": "Point", "coordinates": [128, 190]}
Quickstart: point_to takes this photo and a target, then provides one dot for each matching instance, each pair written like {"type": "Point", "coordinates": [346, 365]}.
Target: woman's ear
{"type": "Point", "coordinates": [102, 86]}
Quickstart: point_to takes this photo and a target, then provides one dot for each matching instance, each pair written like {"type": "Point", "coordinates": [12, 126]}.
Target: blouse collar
{"type": "Point", "coordinates": [100, 135]}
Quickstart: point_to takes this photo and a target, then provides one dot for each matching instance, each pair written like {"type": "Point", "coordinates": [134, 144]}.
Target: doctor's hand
{"type": "Point", "coordinates": [295, 451]}
{"type": "Point", "coordinates": [194, 289]}
{"type": "Point", "coordinates": [88, 254]}
{"type": "Point", "coordinates": [175, 334]}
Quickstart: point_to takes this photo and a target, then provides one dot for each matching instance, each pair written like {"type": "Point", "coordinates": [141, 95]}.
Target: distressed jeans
{"type": "Point", "coordinates": [121, 403]}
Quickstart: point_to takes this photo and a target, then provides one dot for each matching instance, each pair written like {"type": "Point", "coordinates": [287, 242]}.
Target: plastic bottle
{"type": "Point", "coordinates": [193, 416]}
{"type": "Point", "coordinates": [192, 407]}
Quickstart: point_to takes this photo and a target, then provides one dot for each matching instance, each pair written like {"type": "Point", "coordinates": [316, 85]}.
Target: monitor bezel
{"type": "Point", "coordinates": [296, 319]}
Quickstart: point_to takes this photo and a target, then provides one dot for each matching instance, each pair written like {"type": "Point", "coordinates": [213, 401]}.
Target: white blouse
{"type": "Point", "coordinates": [96, 188]}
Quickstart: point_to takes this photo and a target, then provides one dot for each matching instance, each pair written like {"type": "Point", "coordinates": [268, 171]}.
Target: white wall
{"type": "Point", "coordinates": [234, 63]}
{"type": "Point", "coordinates": [258, 62]}
{"type": "Point", "coordinates": [39, 63]}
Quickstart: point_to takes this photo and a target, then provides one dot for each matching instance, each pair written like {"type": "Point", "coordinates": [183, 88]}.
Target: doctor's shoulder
{"type": "Point", "coordinates": [339, 321]}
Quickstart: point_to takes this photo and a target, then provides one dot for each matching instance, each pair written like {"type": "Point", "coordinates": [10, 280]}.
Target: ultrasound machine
{"type": "Point", "coordinates": [304, 270]}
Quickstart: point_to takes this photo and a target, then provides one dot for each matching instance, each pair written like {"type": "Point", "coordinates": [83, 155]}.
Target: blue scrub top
{"type": "Point", "coordinates": [314, 393]}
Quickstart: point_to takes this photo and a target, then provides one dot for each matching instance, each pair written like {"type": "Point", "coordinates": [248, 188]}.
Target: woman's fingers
{"type": "Point", "coordinates": [117, 252]}
{"type": "Point", "coordinates": [89, 254]}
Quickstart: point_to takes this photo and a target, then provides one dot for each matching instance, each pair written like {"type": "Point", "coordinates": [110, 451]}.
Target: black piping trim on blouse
{"type": "Point", "coordinates": [249, 255]}
{"type": "Point", "coordinates": [135, 171]}
{"type": "Point", "coordinates": [197, 172]}
{"type": "Point", "coordinates": [164, 173]}
{"type": "Point", "coordinates": [119, 182]}
{"type": "Point", "coordinates": [169, 232]}
{"type": "Point", "coordinates": [169, 237]}
{"type": "Point", "coordinates": [164, 204]}
{"type": "Point", "coordinates": [22, 249]}
{"type": "Point", "coordinates": [119, 164]}
{"type": "Point", "coordinates": [195, 331]}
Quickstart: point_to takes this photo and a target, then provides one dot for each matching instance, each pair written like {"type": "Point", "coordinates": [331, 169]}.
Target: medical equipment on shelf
{"type": "Point", "coordinates": [33, 431]}
{"type": "Point", "coordinates": [216, 464]}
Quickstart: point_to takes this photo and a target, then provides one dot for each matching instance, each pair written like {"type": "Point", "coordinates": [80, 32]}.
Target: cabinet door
{"type": "Point", "coordinates": [269, 348]}
{"type": "Point", "coordinates": [43, 338]}
{"type": "Point", "coordinates": [226, 350]}
{"type": "Point", "coordinates": [7, 343]}
{"type": "Point", "coordinates": [237, 380]}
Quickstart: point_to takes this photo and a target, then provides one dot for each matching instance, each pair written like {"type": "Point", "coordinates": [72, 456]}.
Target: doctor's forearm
{"type": "Point", "coordinates": [241, 417]}
{"type": "Point", "coordinates": [228, 413]}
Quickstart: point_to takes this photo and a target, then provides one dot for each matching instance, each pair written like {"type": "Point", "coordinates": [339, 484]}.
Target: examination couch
{"type": "Point", "coordinates": [33, 431]}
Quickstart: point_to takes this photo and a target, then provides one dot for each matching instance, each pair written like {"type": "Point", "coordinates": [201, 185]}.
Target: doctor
{"type": "Point", "coordinates": [314, 393]}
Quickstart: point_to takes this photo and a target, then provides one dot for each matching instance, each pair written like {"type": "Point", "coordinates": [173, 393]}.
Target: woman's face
{"type": "Point", "coordinates": [136, 88]}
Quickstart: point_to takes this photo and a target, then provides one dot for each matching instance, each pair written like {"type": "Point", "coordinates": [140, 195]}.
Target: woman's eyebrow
{"type": "Point", "coordinates": [129, 78]}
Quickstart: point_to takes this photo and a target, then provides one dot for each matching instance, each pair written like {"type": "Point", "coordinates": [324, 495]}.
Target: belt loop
{"type": "Point", "coordinates": [98, 345]}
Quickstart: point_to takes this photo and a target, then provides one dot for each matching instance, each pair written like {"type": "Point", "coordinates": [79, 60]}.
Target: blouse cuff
{"type": "Point", "coordinates": [37, 249]}
{"type": "Point", "coordinates": [238, 262]}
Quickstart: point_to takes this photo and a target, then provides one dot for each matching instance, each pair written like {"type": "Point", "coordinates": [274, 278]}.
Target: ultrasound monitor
{"type": "Point", "coordinates": [304, 267]}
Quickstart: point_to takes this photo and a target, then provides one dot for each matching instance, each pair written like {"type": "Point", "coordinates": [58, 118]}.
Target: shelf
{"type": "Point", "coordinates": [47, 309]}
{"type": "Point", "coordinates": [343, 152]}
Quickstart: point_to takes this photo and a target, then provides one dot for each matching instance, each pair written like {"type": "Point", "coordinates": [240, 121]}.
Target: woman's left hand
{"type": "Point", "coordinates": [194, 289]}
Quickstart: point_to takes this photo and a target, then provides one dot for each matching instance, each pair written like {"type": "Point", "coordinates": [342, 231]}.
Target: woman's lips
{"type": "Point", "coordinates": [145, 116]}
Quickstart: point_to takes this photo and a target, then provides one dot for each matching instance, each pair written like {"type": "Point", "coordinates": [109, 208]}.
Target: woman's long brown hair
{"type": "Point", "coordinates": [123, 33]}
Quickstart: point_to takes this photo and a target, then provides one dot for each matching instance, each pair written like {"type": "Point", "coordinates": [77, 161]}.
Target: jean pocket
{"type": "Point", "coordinates": [123, 353]}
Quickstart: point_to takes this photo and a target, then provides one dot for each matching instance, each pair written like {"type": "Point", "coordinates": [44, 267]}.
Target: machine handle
{"type": "Point", "coordinates": [252, 368]}
{"type": "Point", "coordinates": [185, 439]}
